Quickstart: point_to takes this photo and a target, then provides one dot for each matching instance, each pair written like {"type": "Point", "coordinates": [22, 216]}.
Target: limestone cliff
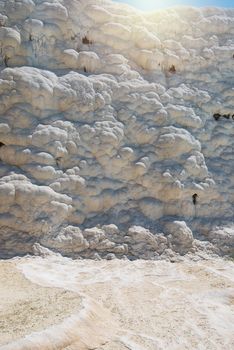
{"type": "Point", "coordinates": [113, 116]}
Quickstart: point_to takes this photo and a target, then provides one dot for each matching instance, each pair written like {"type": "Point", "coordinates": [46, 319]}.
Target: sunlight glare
{"type": "Point", "coordinates": [149, 5]}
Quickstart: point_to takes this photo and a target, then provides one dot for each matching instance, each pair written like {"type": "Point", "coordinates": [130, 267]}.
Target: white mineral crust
{"type": "Point", "coordinates": [113, 116]}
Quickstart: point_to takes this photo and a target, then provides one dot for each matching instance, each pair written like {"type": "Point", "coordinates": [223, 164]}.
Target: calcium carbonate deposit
{"type": "Point", "coordinates": [116, 305]}
{"type": "Point", "coordinates": [116, 133]}
{"type": "Point", "coordinates": [116, 143]}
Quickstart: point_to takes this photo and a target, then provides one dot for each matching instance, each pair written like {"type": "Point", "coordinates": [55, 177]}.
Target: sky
{"type": "Point", "coordinates": [155, 4]}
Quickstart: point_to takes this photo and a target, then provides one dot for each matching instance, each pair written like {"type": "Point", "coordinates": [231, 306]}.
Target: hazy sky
{"type": "Point", "coordinates": [154, 4]}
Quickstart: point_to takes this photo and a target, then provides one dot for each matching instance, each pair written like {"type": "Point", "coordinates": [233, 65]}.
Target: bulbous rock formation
{"type": "Point", "coordinates": [106, 117]}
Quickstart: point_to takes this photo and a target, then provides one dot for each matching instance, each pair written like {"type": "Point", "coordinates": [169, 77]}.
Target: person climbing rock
{"type": "Point", "coordinates": [172, 69]}
{"type": "Point", "coordinates": [216, 116]}
{"type": "Point", "coordinates": [194, 196]}
{"type": "Point", "coordinates": [6, 59]}
{"type": "Point", "coordinates": [86, 41]}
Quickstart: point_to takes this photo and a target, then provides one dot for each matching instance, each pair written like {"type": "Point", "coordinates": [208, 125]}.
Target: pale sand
{"type": "Point", "coordinates": [26, 307]}
{"type": "Point", "coordinates": [125, 305]}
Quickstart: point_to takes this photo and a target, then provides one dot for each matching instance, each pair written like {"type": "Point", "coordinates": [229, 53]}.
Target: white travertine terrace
{"type": "Point", "coordinates": [113, 116]}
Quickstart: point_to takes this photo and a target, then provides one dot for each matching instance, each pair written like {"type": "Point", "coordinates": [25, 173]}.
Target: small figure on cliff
{"type": "Point", "coordinates": [172, 69]}
{"type": "Point", "coordinates": [216, 116]}
{"type": "Point", "coordinates": [194, 196]}
{"type": "Point", "coordinates": [86, 40]}
{"type": "Point", "coordinates": [6, 59]}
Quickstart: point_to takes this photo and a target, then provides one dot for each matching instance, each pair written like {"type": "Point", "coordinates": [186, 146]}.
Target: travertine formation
{"type": "Point", "coordinates": [112, 116]}
{"type": "Point", "coordinates": [116, 305]}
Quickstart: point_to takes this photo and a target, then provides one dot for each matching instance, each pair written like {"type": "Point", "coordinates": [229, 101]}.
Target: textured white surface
{"type": "Point", "coordinates": [106, 116]}
{"type": "Point", "coordinates": [141, 305]}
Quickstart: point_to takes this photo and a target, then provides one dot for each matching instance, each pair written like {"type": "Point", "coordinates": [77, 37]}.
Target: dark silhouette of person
{"type": "Point", "coordinates": [194, 196]}
{"type": "Point", "coordinates": [216, 116]}
{"type": "Point", "coordinates": [172, 69]}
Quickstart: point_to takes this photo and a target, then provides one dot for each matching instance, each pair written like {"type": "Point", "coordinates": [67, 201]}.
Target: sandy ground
{"type": "Point", "coordinates": [116, 305]}
{"type": "Point", "coordinates": [26, 307]}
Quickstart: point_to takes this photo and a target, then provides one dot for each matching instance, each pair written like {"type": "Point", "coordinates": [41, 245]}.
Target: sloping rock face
{"type": "Point", "coordinates": [112, 116]}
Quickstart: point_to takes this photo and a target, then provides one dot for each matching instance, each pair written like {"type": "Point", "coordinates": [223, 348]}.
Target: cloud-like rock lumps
{"type": "Point", "coordinates": [109, 116]}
